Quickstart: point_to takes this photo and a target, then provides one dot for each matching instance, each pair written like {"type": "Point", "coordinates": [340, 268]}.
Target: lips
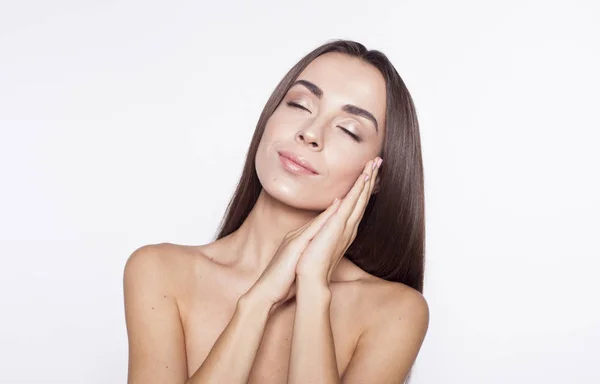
{"type": "Point", "coordinates": [299, 160]}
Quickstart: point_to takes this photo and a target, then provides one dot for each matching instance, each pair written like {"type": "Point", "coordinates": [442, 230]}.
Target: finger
{"type": "Point", "coordinates": [352, 196]}
{"type": "Point", "coordinates": [308, 223]}
{"type": "Point", "coordinates": [359, 208]}
{"type": "Point", "coordinates": [327, 238]}
{"type": "Point", "coordinates": [363, 200]}
{"type": "Point", "coordinates": [377, 164]}
{"type": "Point", "coordinates": [304, 237]}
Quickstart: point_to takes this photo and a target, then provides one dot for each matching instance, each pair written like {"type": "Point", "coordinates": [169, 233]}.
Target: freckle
{"type": "Point", "coordinates": [165, 296]}
{"type": "Point", "coordinates": [152, 307]}
{"type": "Point", "coordinates": [167, 366]}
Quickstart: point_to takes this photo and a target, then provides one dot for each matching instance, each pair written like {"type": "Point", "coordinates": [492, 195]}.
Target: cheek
{"type": "Point", "coordinates": [342, 178]}
{"type": "Point", "coordinates": [299, 192]}
{"type": "Point", "coordinates": [277, 130]}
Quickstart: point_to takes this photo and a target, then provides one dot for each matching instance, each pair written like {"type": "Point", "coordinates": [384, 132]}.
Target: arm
{"type": "Point", "coordinates": [385, 352]}
{"type": "Point", "coordinates": [312, 357]}
{"type": "Point", "coordinates": [155, 334]}
{"type": "Point", "coordinates": [389, 345]}
{"type": "Point", "coordinates": [231, 358]}
{"type": "Point", "coordinates": [156, 338]}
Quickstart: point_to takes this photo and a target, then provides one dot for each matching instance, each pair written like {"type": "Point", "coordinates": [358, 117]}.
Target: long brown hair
{"type": "Point", "coordinates": [390, 242]}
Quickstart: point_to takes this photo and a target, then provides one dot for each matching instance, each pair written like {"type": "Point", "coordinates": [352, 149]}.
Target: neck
{"type": "Point", "coordinates": [259, 236]}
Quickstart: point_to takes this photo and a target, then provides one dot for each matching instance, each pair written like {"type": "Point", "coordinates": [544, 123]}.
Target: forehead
{"type": "Point", "coordinates": [348, 80]}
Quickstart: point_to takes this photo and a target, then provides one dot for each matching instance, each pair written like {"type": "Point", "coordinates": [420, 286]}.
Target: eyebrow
{"type": "Point", "coordinates": [352, 109]}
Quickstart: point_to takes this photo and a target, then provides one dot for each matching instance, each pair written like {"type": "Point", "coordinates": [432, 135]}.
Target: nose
{"type": "Point", "coordinates": [310, 136]}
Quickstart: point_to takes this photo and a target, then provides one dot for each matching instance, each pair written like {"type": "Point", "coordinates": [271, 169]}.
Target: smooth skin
{"type": "Point", "coordinates": [313, 357]}
{"type": "Point", "coordinates": [276, 301]}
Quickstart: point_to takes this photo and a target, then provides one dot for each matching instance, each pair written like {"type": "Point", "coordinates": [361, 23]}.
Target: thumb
{"type": "Point", "coordinates": [308, 233]}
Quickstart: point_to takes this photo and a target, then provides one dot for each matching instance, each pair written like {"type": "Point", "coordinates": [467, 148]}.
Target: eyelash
{"type": "Point", "coordinates": [294, 105]}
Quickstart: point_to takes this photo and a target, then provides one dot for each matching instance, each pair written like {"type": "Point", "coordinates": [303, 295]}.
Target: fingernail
{"type": "Point", "coordinates": [366, 177]}
{"type": "Point", "coordinates": [374, 163]}
{"type": "Point", "coordinates": [379, 162]}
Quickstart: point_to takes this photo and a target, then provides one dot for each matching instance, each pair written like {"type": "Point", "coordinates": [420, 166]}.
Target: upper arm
{"type": "Point", "coordinates": [387, 350]}
{"type": "Point", "coordinates": [155, 334]}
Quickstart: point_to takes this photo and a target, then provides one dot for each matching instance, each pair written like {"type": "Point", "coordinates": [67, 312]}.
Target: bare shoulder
{"type": "Point", "coordinates": [153, 278]}
{"type": "Point", "coordinates": [165, 252]}
{"type": "Point", "coordinates": [167, 261]}
{"type": "Point", "coordinates": [388, 300]}
{"type": "Point", "coordinates": [383, 299]}
{"type": "Point", "coordinates": [395, 319]}
{"type": "Point", "coordinates": [163, 255]}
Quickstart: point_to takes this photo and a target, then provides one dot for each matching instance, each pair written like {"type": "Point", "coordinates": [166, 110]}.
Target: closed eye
{"type": "Point", "coordinates": [356, 138]}
{"type": "Point", "coordinates": [295, 105]}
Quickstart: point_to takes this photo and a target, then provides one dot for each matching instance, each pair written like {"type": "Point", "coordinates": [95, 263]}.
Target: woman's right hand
{"type": "Point", "coordinates": [276, 283]}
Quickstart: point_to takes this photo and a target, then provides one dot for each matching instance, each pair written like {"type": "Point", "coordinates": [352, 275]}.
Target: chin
{"type": "Point", "coordinates": [287, 190]}
{"type": "Point", "coordinates": [300, 192]}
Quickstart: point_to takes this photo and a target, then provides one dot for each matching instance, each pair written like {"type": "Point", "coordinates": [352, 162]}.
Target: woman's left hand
{"type": "Point", "coordinates": [326, 249]}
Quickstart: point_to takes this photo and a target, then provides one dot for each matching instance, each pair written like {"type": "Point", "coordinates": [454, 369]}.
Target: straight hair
{"type": "Point", "coordinates": [390, 241]}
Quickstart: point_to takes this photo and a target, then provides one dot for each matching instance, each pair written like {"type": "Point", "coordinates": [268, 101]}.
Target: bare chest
{"type": "Point", "coordinates": [205, 317]}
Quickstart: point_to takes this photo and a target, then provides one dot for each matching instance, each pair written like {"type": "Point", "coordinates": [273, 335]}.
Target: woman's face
{"type": "Point", "coordinates": [333, 119]}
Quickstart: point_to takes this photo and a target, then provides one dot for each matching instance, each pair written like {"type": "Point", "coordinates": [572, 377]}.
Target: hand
{"type": "Point", "coordinates": [324, 252]}
{"type": "Point", "coordinates": [276, 283]}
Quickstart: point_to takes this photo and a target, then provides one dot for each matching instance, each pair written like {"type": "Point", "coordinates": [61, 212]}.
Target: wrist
{"type": "Point", "coordinates": [315, 280]}
{"type": "Point", "coordinates": [315, 287]}
{"type": "Point", "coordinates": [253, 302]}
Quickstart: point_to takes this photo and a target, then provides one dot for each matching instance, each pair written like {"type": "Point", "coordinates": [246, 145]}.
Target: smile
{"type": "Point", "coordinates": [293, 167]}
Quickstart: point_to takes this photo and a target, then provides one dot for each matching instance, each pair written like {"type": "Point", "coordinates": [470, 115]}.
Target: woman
{"type": "Point", "coordinates": [316, 274]}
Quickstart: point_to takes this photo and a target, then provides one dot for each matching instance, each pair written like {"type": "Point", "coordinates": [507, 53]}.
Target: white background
{"type": "Point", "coordinates": [124, 123]}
